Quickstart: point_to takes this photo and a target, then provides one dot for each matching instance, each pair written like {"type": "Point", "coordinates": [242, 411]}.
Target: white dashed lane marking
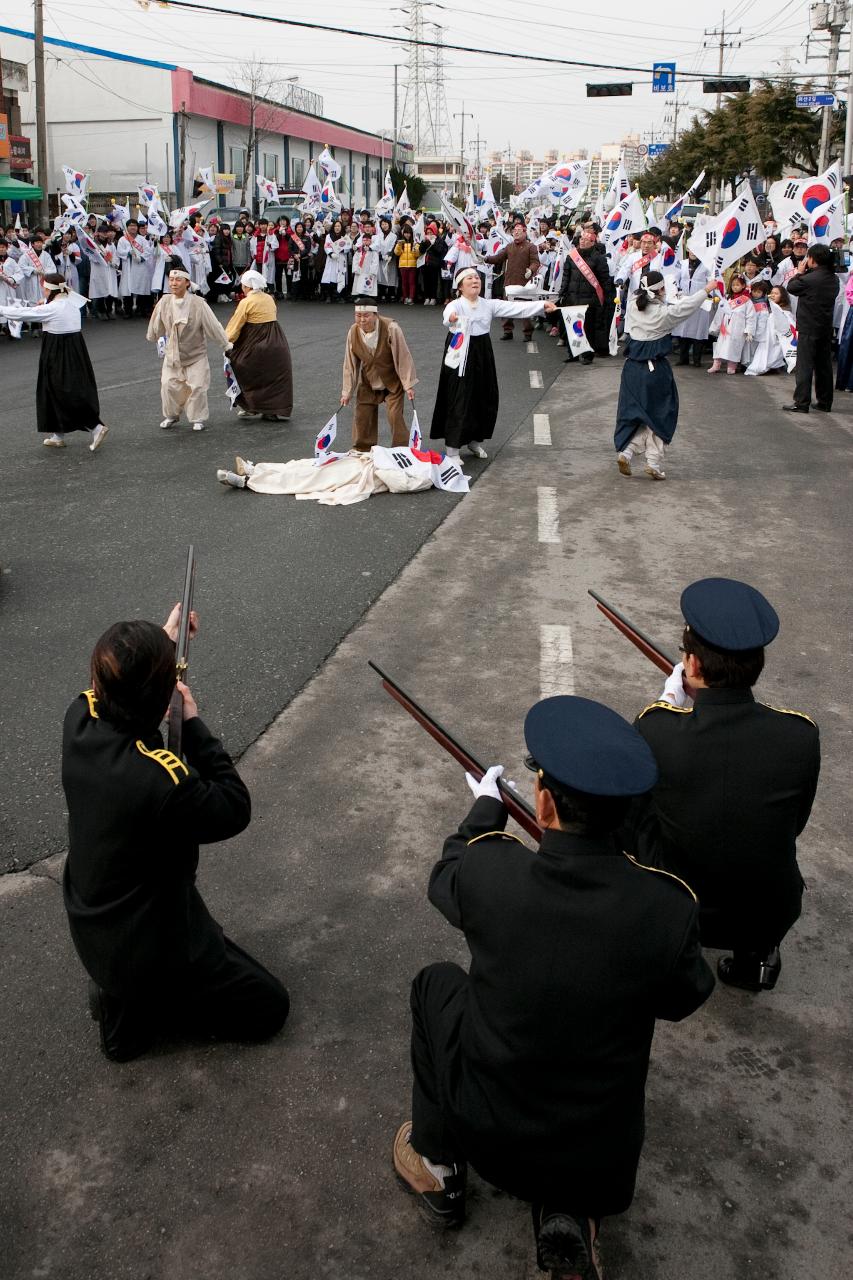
{"type": "Point", "coordinates": [541, 429]}
{"type": "Point", "coordinates": [535, 378]}
{"type": "Point", "coordinates": [549, 520]}
{"type": "Point", "coordinates": [556, 661]}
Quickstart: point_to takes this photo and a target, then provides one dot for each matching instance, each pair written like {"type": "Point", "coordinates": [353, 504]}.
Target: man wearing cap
{"type": "Point", "coordinates": [378, 367]}
{"type": "Point", "coordinates": [814, 285]}
{"type": "Point", "coordinates": [737, 782]}
{"type": "Point", "coordinates": [532, 1065]}
{"type": "Point", "coordinates": [185, 323]}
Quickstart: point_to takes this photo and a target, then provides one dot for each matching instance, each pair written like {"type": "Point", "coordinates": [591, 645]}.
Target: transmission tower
{"type": "Point", "coordinates": [425, 117]}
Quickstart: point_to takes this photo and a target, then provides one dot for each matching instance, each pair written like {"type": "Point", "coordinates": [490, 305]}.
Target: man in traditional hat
{"type": "Point", "coordinates": [737, 782]}
{"type": "Point", "coordinates": [532, 1065]}
{"type": "Point", "coordinates": [378, 367]}
{"type": "Point", "coordinates": [184, 322]}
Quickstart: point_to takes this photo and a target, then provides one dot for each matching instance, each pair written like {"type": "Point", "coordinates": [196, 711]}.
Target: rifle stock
{"type": "Point", "coordinates": [517, 808]}
{"type": "Point", "coordinates": [182, 656]}
{"type": "Point", "coordinates": [647, 647]}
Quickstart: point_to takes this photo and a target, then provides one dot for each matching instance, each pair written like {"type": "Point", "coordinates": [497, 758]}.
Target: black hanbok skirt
{"type": "Point", "coordinates": [647, 397]}
{"type": "Point", "coordinates": [66, 393]}
{"type": "Point", "coordinates": [467, 408]}
{"type": "Point", "coordinates": [262, 365]}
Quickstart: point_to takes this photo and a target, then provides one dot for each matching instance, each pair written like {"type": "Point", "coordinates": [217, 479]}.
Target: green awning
{"type": "Point", "coordinates": [12, 189]}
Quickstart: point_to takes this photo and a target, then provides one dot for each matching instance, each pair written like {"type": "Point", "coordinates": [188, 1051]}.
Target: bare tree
{"type": "Point", "coordinates": [263, 85]}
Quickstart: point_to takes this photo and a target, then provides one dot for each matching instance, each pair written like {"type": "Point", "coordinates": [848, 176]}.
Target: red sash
{"type": "Point", "coordinates": [588, 274]}
{"type": "Point", "coordinates": [642, 263]}
{"type": "Point", "coordinates": [739, 299]}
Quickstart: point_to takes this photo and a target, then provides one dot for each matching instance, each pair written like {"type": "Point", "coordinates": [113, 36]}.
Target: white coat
{"type": "Point", "coordinates": [697, 324]}
{"type": "Point", "coordinates": [135, 260]}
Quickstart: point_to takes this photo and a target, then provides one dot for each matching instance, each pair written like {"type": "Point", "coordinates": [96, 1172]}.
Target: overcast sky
{"type": "Point", "coordinates": [515, 104]}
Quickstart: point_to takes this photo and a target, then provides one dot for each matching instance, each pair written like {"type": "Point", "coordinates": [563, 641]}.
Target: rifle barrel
{"type": "Point", "coordinates": [517, 807]}
{"type": "Point", "coordinates": [648, 647]}
{"type": "Point", "coordinates": [182, 654]}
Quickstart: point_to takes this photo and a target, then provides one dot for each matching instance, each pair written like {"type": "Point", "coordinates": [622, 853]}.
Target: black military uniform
{"type": "Point", "coordinates": [737, 782]}
{"type": "Point", "coordinates": [532, 1066]}
{"type": "Point", "coordinates": [136, 816]}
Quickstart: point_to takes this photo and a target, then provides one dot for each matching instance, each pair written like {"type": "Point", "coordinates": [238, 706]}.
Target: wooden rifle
{"type": "Point", "coordinates": [182, 656]}
{"type": "Point", "coordinates": [646, 646]}
{"type": "Point", "coordinates": [517, 808]}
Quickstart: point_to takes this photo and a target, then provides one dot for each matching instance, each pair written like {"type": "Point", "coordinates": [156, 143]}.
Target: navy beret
{"type": "Point", "coordinates": [587, 747]}
{"type": "Point", "coordinates": [728, 614]}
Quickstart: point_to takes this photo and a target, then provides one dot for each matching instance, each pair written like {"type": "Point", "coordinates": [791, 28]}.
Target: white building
{"type": "Point", "coordinates": [125, 120]}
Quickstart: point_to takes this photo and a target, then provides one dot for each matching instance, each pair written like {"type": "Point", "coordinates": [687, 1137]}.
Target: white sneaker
{"type": "Point", "coordinates": [244, 413]}
{"type": "Point", "coordinates": [99, 435]}
{"type": "Point", "coordinates": [243, 466]}
{"type": "Point", "coordinates": [477, 449]}
{"type": "Point", "coordinates": [623, 462]}
{"type": "Point", "coordinates": [198, 426]}
{"type": "Point", "coordinates": [168, 422]}
{"type": "Point", "coordinates": [229, 478]}
{"type": "Point", "coordinates": [54, 442]}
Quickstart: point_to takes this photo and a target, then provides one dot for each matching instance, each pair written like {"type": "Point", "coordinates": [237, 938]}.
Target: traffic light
{"type": "Point", "coordinates": [608, 90]}
{"type": "Point", "coordinates": [725, 86]}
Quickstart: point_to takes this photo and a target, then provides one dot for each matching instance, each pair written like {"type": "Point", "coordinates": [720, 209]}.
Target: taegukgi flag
{"type": "Point", "coordinates": [722, 240]}
{"type": "Point", "coordinates": [329, 164]}
{"type": "Point", "coordinates": [574, 320]}
{"type": "Point", "coordinates": [325, 439]}
{"type": "Point", "coordinates": [827, 222]}
{"type": "Point", "coordinates": [76, 183]}
{"type": "Point", "coordinates": [794, 200]}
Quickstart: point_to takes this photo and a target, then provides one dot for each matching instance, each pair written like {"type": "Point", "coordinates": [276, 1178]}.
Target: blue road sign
{"type": "Point", "coordinates": [658, 148]}
{"type": "Point", "coordinates": [663, 77]}
{"type": "Point", "coordinates": [815, 99]}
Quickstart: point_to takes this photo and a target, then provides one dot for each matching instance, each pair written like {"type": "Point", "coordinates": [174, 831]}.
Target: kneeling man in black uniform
{"type": "Point", "coordinates": [737, 782]}
{"type": "Point", "coordinates": [137, 813]}
{"type": "Point", "coordinates": [532, 1065]}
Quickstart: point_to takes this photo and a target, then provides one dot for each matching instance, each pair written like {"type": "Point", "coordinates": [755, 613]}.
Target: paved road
{"type": "Point", "coordinates": [87, 539]}
{"type": "Point", "coordinates": [266, 1162]}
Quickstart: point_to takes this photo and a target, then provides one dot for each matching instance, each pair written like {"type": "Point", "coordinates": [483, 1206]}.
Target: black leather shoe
{"type": "Point", "coordinates": [822, 408]}
{"type": "Point", "coordinates": [506, 337]}
{"type": "Point", "coordinates": [795, 408]}
{"type": "Point", "coordinates": [565, 1247]}
{"type": "Point", "coordinates": [751, 972]}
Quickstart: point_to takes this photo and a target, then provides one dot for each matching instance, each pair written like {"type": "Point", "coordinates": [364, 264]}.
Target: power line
{"type": "Point", "coordinates": [425, 43]}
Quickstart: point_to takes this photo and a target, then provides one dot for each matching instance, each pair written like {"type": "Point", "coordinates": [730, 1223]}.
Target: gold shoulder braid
{"type": "Point", "coordinates": [169, 761]}
{"type": "Point", "coordinates": [89, 695]}
{"type": "Point", "coordinates": [665, 706]}
{"type": "Point", "coordinates": [660, 872]}
{"type": "Point", "coordinates": [786, 711]}
{"type": "Point", "coordinates": [503, 835]}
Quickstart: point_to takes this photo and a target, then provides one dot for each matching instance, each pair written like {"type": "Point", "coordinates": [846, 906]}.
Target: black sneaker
{"type": "Point", "coordinates": [566, 1247]}
{"type": "Point", "coordinates": [751, 972]}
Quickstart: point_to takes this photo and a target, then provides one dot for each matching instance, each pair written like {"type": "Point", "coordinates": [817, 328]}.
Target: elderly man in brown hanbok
{"type": "Point", "coordinates": [260, 357]}
{"type": "Point", "coordinates": [185, 322]}
{"type": "Point", "coordinates": [378, 366]}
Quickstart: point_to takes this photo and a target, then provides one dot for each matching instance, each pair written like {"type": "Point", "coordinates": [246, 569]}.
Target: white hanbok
{"type": "Point", "coordinates": [697, 324]}
{"type": "Point", "coordinates": [10, 279]}
{"type": "Point", "coordinates": [31, 277]}
{"type": "Point", "coordinates": [764, 352]}
{"type": "Point", "coordinates": [66, 263]}
{"type": "Point", "coordinates": [199, 255]}
{"type": "Point", "coordinates": [267, 267]}
{"type": "Point", "coordinates": [159, 257]}
{"type": "Point", "coordinates": [365, 272]}
{"type": "Point", "coordinates": [389, 276]}
{"type": "Point", "coordinates": [135, 258]}
{"type": "Point", "coordinates": [335, 270]}
{"type": "Point", "coordinates": [735, 325]}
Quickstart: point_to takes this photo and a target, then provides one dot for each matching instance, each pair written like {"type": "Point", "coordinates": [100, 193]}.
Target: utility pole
{"type": "Point", "coordinates": [723, 45]}
{"type": "Point", "coordinates": [394, 141]}
{"type": "Point", "coordinates": [479, 173]}
{"type": "Point", "coordinates": [831, 18]}
{"type": "Point", "coordinates": [41, 118]}
{"type": "Point", "coordinates": [463, 113]}
{"type": "Point", "coordinates": [182, 161]}
{"type": "Point", "coordinates": [673, 118]}
{"type": "Point", "coordinates": [848, 128]}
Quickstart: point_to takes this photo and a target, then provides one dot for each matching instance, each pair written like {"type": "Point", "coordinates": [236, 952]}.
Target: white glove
{"type": "Point", "coordinates": [674, 691]}
{"type": "Point", "coordinates": [488, 784]}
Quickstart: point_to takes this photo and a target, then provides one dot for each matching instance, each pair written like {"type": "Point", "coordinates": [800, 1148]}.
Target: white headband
{"type": "Point", "coordinates": [649, 291]}
{"type": "Point", "coordinates": [461, 275]}
{"type": "Point", "coordinates": [184, 275]}
{"type": "Point", "coordinates": [363, 310]}
{"type": "Point", "coordinates": [55, 288]}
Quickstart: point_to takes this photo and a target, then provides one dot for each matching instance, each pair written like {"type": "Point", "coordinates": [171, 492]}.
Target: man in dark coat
{"type": "Point", "coordinates": [587, 282]}
{"type": "Point", "coordinates": [521, 263]}
{"type": "Point", "coordinates": [815, 286]}
{"type": "Point", "coordinates": [532, 1066]}
{"type": "Point", "coordinates": [137, 814]}
{"type": "Point", "coordinates": [737, 781]}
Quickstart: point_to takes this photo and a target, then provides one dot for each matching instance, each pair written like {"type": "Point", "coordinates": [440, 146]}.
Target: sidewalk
{"type": "Point", "coordinates": [272, 1162]}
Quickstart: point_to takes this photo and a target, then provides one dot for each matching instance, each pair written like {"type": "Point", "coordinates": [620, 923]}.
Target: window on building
{"type": "Point", "coordinates": [297, 173]}
{"type": "Point", "coordinates": [270, 161]}
{"type": "Point", "coordinates": [237, 164]}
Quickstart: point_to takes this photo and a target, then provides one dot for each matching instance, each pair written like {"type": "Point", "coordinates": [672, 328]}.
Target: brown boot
{"type": "Point", "coordinates": [442, 1205]}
